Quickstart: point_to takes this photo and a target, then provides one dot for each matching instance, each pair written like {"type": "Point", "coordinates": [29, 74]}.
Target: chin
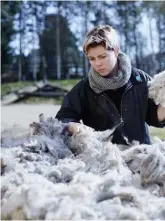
{"type": "Point", "coordinates": [105, 74]}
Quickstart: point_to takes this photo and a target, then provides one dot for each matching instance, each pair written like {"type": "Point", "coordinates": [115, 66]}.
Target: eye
{"type": "Point", "coordinates": [102, 57]}
{"type": "Point", "coordinates": [91, 59]}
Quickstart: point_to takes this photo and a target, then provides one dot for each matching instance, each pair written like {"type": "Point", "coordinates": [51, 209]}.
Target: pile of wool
{"type": "Point", "coordinates": [50, 175]}
{"type": "Point", "coordinates": [157, 88]}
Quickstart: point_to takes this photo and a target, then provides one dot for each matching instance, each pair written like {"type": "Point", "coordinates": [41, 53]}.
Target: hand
{"type": "Point", "coordinates": [76, 128]}
{"type": "Point", "coordinates": [161, 113]}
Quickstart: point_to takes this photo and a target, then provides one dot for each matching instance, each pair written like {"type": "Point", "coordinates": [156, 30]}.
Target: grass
{"type": "Point", "coordinates": [41, 100]}
{"type": "Point", "coordinates": [10, 87]}
{"type": "Point", "coordinates": [70, 82]}
{"type": "Point", "coordinates": [158, 132]}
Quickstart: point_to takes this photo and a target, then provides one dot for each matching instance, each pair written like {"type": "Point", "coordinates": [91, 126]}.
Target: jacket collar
{"type": "Point", "coordinates": [136, 77]}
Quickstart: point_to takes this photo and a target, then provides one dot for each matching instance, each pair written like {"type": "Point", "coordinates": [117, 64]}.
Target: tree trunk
{"type": "Point", "coordinates": [34, 63]}
{"type": "Point", "coordinates": [20, 47]}
{"type": "Point", "coordinates": [153, 57]}
{"type": "Point", "coordinates": [58, 50]}
{"type": "Point", "coordinates": [85, 32]}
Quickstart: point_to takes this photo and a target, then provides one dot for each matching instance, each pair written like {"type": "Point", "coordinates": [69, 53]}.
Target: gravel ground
{"type": "Point", "coordinates": [15, 119]}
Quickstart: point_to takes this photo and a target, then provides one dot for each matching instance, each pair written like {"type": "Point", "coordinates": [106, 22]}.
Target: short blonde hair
{"type": "Point", "coordinates": [103, 35]}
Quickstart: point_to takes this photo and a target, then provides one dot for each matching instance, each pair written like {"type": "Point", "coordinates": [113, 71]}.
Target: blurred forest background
{"type": "Point", "coordinates": [42, 40]}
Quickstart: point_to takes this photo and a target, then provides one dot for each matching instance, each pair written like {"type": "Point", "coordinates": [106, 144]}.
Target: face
{"type": "Point", "coordinates": [102, 60]}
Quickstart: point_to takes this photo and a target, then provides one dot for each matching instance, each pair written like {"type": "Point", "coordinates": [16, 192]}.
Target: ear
{"type": "Point", "coordinates": [116, 50]}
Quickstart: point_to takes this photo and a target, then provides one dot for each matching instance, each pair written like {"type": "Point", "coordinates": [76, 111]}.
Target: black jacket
{"type": "Point", "coordinates": [100, 113]}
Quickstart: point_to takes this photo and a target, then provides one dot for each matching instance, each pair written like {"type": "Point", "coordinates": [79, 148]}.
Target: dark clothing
{"type": "Point", "coordinates": [99, 112]}
{"type": "Point", "coordinates": [116, 95]}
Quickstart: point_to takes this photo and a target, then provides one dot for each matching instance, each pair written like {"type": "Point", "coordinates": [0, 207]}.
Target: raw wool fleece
{"type": "Point", "coordinates": [49, 175]}
{"type": "Point", "coordinates": [43, 179]}
{"type": "Point", "coordinates": [157, 88]}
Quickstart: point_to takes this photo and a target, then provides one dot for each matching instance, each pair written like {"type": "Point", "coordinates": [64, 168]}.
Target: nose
{"type": "Point", "coordinates": [98, 63]}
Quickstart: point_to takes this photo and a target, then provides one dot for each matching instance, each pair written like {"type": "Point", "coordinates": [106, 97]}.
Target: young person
{"type": "Point", "coordinates": [114, 94]}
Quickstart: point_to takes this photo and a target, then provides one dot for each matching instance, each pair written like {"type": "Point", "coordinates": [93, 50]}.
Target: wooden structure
{"type": "Point", "coordinates": [37, 89]}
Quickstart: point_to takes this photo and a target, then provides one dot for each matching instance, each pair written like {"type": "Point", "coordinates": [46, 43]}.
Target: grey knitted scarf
{"type": "Point", "coordinates": [100, 84]}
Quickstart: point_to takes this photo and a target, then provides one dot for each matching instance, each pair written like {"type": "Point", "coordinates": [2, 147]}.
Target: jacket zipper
{"type": "Point", "coordinates": [110, 101]}
{"type": "Point", "coordinates": [122, 100]}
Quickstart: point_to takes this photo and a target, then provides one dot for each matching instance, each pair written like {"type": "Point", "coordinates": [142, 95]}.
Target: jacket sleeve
{"type": "Point", "coordinates": [73, 104]}
{"type": "Point", "coordinates": [151, 115]}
